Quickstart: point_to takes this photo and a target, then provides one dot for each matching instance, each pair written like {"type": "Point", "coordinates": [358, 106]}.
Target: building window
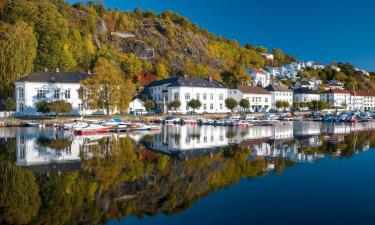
{"type": "Point", "coordinates": [67, 94]}
{"type": "Point", "coordinates": [80, 107]}
{"type": "Point", "coordinates": [211, 106]}
{"type": "Point", "coordinates": [21, 93]}
{"type": "Point", "coordinates": [20, 107]}
{"type": "Point", "coordinates": [56, 94]}
{"type": "Point", "coordinates": [187, 96]}
{"type": "Point", "coordinates": [41, 94]}
{"type": "Point", "coordinates": [221, 106]}
{"type": "Point", "coordinates": [204, 106]}
{"type": "Point", "coordinates": [221, 96]}
{"type": "Point", "coordinates": [211, 96]}
{"type": "Point", "coordinates": [198, 96]}
{"type": "Point", "coordinates": [204, 96]}
{"type": "Point", "coordinates": [175, 97]}
{"type": "Point", "coordinates": [266, 99]}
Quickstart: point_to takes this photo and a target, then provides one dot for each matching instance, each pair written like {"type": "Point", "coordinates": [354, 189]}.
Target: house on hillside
{"type": "Point", "coordinates": [209, 92]}
{"type": "Point", "coordinates": [259, 98]}
{"type": "Point", "coordinates": [333, 84]}
{"type": "Point", "coordinates": [308, 82]}
{"type": "Point", "coordinates": [50, 86]}
{"type": "Point", "coordinates": [259, 77]}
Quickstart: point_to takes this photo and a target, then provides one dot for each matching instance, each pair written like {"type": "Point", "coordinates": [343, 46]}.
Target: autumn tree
{"type": "Point", "coordinates": [19, 194]}
{"type": "Point", "coordinates": [161, 71]}
{"type": "Point", "coordinates": [60, 107]}
{"type": "Point", "coordinates": [131, 66]}
{"type": "Point", "coordinates": [17, 54]}
{"type": "Point", "coordinates": [149, 104]}
{"type": "Point", "coordinates": [236, 76]}
{"type": "Point", "coordinates": [106, 89]}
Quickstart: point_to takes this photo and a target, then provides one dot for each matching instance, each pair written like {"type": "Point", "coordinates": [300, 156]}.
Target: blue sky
{"type": "Point", "coordinates": [319, 30]}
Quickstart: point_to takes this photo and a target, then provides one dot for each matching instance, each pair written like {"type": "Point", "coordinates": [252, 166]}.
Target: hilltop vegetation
{"type": "Point", "coordinates": [42, 34]}
{"type": "Point", "coordinates": [47, 34]}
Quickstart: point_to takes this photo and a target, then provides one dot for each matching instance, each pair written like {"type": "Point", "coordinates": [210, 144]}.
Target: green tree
{"type": "Point", "coordinates": [175, 104]}
{"type": "Point", "coordinates": [51, 29]}
{"type": "Point", "coordinates": [231, 103]}
{"type": "Point", "coordinates": [42, 107]}
{"type": "Point", "coordinates": [10, 104]}
{"type": "Point", "coordinates": [245, 104]}
{"type": "Point", "coordinates": [194, 104]}
{"type": "Point", "coordinates": [149, 104]}
{"type": "Point", "coordinates": [296, 105]}
{"type": "Point", "coordinates": [106, 89]}
{"type": "Point", "coordinates": [60, 107]}
{"type": "Point", "coordinates": [17, 54]}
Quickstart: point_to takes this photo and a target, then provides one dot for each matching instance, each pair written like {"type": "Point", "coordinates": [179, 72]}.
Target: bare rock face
{"type": "Point", "coordinates": [154, 38]}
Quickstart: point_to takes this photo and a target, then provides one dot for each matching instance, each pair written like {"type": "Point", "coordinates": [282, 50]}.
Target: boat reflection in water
{"type": "Point", "coordinates": [59, 178]}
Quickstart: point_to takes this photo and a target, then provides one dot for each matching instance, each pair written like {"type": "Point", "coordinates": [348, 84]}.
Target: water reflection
{"type": "Point", "coordinates": [51, 177]}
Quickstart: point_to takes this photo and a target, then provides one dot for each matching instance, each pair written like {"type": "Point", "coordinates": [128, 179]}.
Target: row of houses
{"type": "Point", "coordinates": [51, 86]}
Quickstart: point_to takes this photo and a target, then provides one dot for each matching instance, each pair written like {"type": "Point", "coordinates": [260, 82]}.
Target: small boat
{"type": "Point", "coordinates": [170, 120]}
{"type": "Point", "coordinates": [92, 129]}
{"type": "Point", "coordinates": [190, 122]}
{"type": "Point", "coordinates": [33, 124]}
{"type": "Point", "coordinates": [147, 127]}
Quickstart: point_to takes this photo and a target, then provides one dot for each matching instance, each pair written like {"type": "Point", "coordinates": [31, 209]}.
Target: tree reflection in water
{"type": "Point", "coordinates": [119, 178]}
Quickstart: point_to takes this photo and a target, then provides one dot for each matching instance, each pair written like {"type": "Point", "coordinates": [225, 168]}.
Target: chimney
{"type": "Point", "coordinates": [210, 78]}
{"type": "Point", "coordinates": [57, 70]}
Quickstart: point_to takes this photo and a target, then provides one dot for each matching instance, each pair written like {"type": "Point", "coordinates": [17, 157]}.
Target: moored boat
{"type": "Point", "coordinates": [92, 129]}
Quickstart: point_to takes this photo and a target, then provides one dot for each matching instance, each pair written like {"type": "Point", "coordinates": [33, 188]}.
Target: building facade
{"type": "Point", "coordinates": [259, 98]}
{"type": "Point", "coordinates": [305, 95]}
{"type": "Point", "coordinates": [280, 93]}
{"type": "Point", "coordinates": [210, 93]}
{"type": "Point", "coordinates": [259, 77]}
{"type": "Point", "coordinates": [337, 98]}
{"type": "Point", "coordinates": [49, 86]}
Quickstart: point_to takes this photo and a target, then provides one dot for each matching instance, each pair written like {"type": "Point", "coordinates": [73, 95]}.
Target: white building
{"type": "Point", "coordinates": [337, 98]}
{"type": "Point", "coordinates": [268, 56]}
{"type": "Point", "coordinates": [368, 100]}
{"type": "Point", "coordinates": [280, 93]}
{"type": "Point", "coordinates": [259, 77]}
{"type": "Point", "coordinates": [356, 101]}
{"type": "Point", "coordinates": [259, 98]}
{"type": "Point", "coordinates": [136, 107]}
{"type": "Point", "coordinates": [305, 95]}
{"type": "Point", "coordinates": [210, 93]}
{"type": "Point", "coordinates": [49, 86]}
{"type": "Point", "coordinates": [308, 82]}
{"type": "Point", "coordinates": [333, 84]}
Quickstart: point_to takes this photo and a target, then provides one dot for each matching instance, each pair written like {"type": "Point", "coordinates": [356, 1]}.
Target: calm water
{"type": "Point", "coordinates": [306, 173]}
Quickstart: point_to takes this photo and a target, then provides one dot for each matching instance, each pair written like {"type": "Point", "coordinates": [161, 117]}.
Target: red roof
{"type": "Point", "coordinates": [255, 70]}
{"type": "Point", "coordinates": [324, 85]}
{"type": "Point", "coordinates": [365, 93]}
{"type": "Point", "coordinates": [147, 78]}
{"type": "Point", "coordinates": [336, 91]}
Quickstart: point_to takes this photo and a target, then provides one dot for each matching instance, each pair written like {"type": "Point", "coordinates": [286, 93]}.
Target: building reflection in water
{"type": "Point", "coordinates": [36, 146]}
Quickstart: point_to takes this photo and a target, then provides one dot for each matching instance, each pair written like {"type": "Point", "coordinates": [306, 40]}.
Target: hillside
{"type": "Point", "coordinates": [56, 34]}
{"type": "Point", "coordinates": [39, 34]}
